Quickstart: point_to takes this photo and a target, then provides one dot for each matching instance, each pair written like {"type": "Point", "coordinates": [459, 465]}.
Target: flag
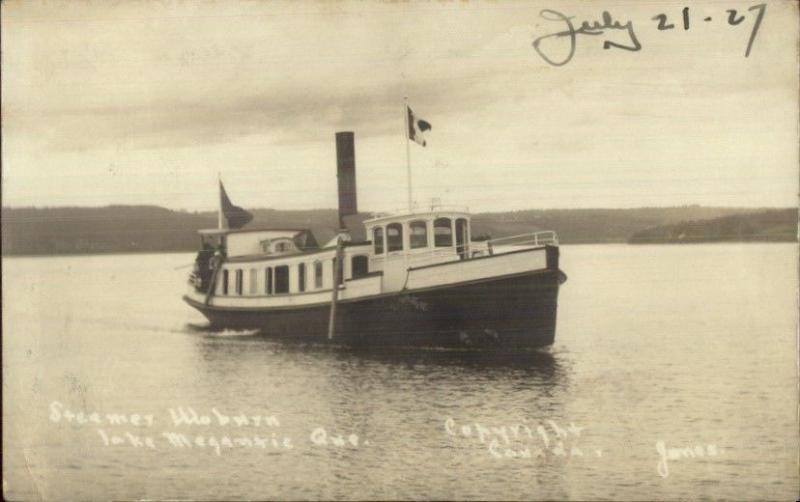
{"type": "Point", "coordinates": [416, 127]}
{"type": "Point", "coordinates": [235, 216]}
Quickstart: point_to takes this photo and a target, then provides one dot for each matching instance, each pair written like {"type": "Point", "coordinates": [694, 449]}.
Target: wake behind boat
{"type": "Point", "coordinates": [415, 279]}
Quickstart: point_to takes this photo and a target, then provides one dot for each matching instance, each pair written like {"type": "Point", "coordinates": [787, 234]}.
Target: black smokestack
{"type": "Point", "coordinates": [346, 174]}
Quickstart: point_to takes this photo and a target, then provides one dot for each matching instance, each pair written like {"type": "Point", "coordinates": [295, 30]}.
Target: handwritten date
{"type": "Point", "coordinates": [570, 30]}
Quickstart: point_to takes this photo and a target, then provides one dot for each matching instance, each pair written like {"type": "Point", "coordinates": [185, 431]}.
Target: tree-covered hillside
{"type": "Point", "coordinates": [69, 230]}
{"type": "Point", "coordinates": [770, 225]}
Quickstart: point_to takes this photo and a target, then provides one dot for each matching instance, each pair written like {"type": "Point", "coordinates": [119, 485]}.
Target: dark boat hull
{"type": "Point", "coordinates": [514, 312]}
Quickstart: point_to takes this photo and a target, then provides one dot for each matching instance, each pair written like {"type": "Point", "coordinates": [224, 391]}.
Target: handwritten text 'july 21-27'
{"type": "Point", "coordinates": [558, 47]}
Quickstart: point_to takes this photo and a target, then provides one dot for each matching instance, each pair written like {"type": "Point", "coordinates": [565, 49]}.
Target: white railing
{"type": "Point", "coordinates": [545, 237]}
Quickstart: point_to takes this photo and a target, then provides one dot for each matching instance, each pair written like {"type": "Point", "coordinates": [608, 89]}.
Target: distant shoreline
{"type": "Point", "coordinates": [80, 231]}
{"type": "Point", "coordinates": [572, 244]}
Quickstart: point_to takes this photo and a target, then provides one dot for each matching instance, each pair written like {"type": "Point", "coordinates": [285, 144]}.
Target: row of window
{"type": "Point", "coordinates": [276, 279]}
{"type": "Point", "coordinates": [418, 234]}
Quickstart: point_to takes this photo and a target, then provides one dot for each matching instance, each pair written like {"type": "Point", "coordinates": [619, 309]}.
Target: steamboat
{"type": "Point", "coordinates": [413, 279]}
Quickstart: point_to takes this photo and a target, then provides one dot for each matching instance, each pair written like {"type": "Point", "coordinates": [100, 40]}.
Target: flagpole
{"type": "Point", "coordinates": [408, 153]}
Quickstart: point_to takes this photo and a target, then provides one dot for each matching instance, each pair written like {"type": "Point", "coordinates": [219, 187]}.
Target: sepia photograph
{"type": "Point", "coordinates": [400, 250]}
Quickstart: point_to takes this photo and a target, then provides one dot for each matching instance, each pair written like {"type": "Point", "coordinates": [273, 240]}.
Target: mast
{"type": "Point", "coordinates": [408, 152]}
{"type": "Point", "coordinates": [337, 270]}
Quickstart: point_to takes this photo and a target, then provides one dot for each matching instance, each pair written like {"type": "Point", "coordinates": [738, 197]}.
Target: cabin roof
{"type": "Point", "coordinates": [303, 238]}
{"type": "Point", "coordinates": [226, 231]}
{"type": "Point", "coordinates": [419, 215]}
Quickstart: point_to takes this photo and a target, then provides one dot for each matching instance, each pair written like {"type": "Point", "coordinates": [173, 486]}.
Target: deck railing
{"type": "Point", "coordinates": [543, 238]}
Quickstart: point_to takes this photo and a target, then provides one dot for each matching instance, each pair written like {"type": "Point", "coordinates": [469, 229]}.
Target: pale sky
{"type": "Point", "coordinates": [141, 102]}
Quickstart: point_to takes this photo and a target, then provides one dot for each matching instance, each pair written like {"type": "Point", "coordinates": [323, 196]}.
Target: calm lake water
{"type": "Point", "coordinates": [692, 346]}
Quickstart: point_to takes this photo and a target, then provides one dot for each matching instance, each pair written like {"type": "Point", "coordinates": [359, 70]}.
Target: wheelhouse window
{"type": "Point", "coordinates": [317, 274]}
{"type": "Point", "coordinates": [394, 237]}
{"type": "Point", "coordinates": [253, 281]}
{"type": "Point", "coordinates": [377, 239]}
{"type": "Point", "coordinates": [442, 233]}
{"type": "Point", "coordinates": [225, 282]}
{"type": "Point", "coordinates": [268, 280]}
{"type": "Point", "coordinates": [282, 279]}
{"type": "Point", "coordinates": [239, 280]}
{"type": "Point", "coordinates": [301, 277]}
{"type": "Point", "coordinates": [419, 234]}
{"type": "Point", "coordinates": [359, 266]}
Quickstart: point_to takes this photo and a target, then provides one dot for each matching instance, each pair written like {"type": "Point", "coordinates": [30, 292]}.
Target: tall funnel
{"type": "Point", "coordinates": [346, 174]}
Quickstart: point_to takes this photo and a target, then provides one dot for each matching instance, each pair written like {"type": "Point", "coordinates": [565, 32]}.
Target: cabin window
{"type": "Point", "coordinates": [225, 282]}
{"type": "Point", "coordinates": [419, 234]}
{"type": "Point", "coordinates": [377, 239]}
{"type": "Point", "coordinates": [268, 280]}
{"type": "Point", "coordinates": [301, 277]}
{"type": "Point", "coordinates": [359, 265]}
{"type": "Point", "coordinates": [340, 276]}
{"type": "Point", "coordinates": [239, 280]}
{"type": "Point", "coordinates": [394, 237]}
{"type": "Point", "coordinates": [442, 233]}
{"type": "Point", "coordinates": [253, 281]}
{"type": "Point", "coordinates": [281, 247]}
{"type": "Point", "coordinates": [282, 279]}
{"type": "Point", "coordinates": [317, 274]}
